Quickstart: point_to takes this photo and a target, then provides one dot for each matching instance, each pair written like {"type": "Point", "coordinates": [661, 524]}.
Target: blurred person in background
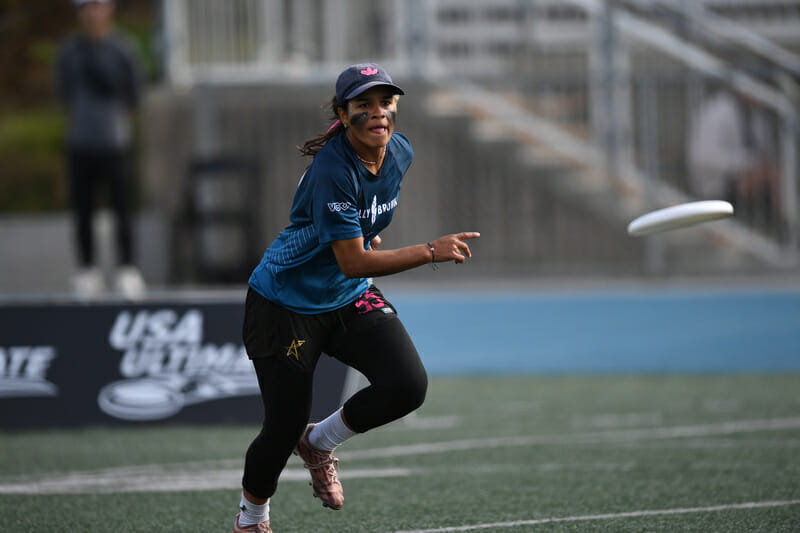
{"type": "Point", "coordinates": [98, 78]}
{"type": "Point", "coordinates": [733, 156]}
{"type": "Point", "coordinates": [313, 293]}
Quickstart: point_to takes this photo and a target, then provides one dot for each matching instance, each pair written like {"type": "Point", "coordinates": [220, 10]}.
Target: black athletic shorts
{"type": "Point", "coordinates": [271, 330]}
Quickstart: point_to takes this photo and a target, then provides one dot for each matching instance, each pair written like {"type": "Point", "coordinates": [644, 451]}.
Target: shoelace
{"type": "Point", "coordinates": [328, 461]}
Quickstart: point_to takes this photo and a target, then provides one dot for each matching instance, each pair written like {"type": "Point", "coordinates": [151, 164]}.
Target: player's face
{"type": "Point", "coordinates": [370, 117]}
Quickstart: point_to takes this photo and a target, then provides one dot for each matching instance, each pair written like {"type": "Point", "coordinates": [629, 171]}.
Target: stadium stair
{"type": "Point", "coordinates": [552, 160]}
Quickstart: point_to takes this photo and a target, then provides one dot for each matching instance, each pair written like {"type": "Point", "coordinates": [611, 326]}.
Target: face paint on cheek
{"type": "Point", "coordinates": [392, 116]}
{"type": "Point", "coordinates": [358, 119]}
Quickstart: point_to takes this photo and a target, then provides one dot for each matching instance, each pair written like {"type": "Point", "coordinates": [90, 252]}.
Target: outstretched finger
{"type": "Point", "coordinates": [467, 235]}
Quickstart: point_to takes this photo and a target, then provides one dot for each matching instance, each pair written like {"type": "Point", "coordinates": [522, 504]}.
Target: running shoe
{"type": "Point", "coordinates": [322, 465]}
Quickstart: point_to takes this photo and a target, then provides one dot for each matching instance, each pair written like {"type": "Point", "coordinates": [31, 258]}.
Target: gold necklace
{"type": "Point", "coordinates": [371, 162]}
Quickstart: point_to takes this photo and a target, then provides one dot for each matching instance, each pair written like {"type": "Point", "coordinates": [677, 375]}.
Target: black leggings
{"type": "Point", "coordinates": [88, 171]}
{"type": "Point", "coordinates": [376, 344]}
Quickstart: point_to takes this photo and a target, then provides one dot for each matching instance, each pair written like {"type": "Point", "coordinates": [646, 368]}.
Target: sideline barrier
{"type": "Point", "coordinates": [157, 361]}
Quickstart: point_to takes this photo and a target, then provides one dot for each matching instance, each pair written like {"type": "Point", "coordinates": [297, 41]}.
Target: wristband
{"type": "Point", "coordinates": [433, 258]}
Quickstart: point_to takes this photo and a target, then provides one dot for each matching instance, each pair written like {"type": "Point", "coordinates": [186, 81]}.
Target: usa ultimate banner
{"type": "Point", "coordinates": [72, 364]}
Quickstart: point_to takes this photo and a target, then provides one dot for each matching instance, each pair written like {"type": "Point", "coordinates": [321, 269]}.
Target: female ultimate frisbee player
{"type": "Point", "coordinates": [312, 293]}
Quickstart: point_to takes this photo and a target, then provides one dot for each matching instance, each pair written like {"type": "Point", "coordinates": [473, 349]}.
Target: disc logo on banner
{"type": "Point", "coordinates": [23, 371]}
{"type": "Point", "coordinates": [167, 366]}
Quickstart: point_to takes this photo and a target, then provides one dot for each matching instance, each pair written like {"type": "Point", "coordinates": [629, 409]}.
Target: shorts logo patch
{"type": "Point", "coordinates": [369, 302]}
{"type": "Point", "coordinates": [293, 350]}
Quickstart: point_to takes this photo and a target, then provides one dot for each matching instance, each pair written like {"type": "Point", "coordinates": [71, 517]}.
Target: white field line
{"type": "Point", "coordinates": [158, 479]}
{"type": "Point", "coordinates": [210, 475]}
{"type": "Point", "coordinates": [615, 436]}
{"type": "Point", "coordinates": [631, 514]}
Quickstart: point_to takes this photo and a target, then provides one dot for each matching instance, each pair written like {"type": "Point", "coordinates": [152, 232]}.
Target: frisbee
{"type": "Point", "coordinates": [679, 216]}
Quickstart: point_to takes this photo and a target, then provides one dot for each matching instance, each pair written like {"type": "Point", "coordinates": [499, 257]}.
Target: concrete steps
{"type": "Point", "coordinates": [568, 168]}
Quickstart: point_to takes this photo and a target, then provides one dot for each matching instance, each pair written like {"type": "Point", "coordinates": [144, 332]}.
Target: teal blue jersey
{"type": "Point", "coordinates": [337, 198]}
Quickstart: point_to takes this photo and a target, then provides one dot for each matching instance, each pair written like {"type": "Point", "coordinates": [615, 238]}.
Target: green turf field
{"type": "Point", "coordinates": [655, 453]}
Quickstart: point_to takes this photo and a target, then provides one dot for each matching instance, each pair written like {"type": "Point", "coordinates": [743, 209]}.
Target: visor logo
{"type": "Point", "coordinates": [369, 71]}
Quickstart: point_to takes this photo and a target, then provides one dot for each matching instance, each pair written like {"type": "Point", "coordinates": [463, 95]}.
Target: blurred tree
{"type": "Point", "coordinates": [31, 122]}
{"type": "Point", "coordinates": [30, 31]}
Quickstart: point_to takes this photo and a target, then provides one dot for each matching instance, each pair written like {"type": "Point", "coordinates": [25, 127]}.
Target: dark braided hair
{"type": "Point", "coordinates": [314, 145]}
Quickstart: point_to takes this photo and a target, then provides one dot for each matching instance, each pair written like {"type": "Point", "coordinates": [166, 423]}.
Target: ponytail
{"type": "Point", "coordinates": [315, 144]}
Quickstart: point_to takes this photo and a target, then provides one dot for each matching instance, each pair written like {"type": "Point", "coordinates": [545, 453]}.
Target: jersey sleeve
{"type": "Point", "coordinates": [335, 208]}
{"type": "Point", "coordinates": [404, 153]}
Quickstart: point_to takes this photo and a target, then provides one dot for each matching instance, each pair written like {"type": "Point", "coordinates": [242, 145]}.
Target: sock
{"type": "Point", "coordinates": [252, 513]}
{"type": "Point", "coordinates": [330, 433]}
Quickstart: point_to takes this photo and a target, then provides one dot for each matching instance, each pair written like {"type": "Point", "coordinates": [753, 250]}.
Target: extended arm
{"type": "Point", "coordinates": [356, 262]}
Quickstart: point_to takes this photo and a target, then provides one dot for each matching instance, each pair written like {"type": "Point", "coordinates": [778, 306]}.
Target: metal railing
{"type": "Point", "coordinates": [693, 70]}
{"type": "Point", "coordinates": [593, 78]}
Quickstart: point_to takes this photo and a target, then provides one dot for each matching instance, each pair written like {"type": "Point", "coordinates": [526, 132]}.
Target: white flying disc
{"type": "Point", "coordinates": [679, 216]}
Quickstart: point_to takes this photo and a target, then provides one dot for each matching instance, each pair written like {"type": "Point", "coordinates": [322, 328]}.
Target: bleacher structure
{"type": "Point", "coordinates": [545, 124]}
